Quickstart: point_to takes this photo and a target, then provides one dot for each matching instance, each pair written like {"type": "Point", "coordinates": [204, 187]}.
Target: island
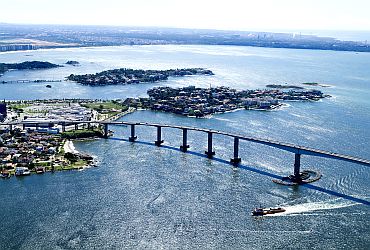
{"type": "Point", "coordinates": [316, 84]}
{"type": "Point", "coordinates": [200, 102]}
{"type": "Point", "coordinates": [73, 63]}
{"type": "Point", "coordinates": [288, 86]}
{"type": "Point", "coordinates": [131, 76]}
{"type": "Point", "coordinates": [285, 86]}
{"type": "Point", "coordinates": [27, 65]}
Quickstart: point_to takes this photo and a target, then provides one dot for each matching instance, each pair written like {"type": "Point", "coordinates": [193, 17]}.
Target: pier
{"type": "Point", "coordinates": [297, 150]}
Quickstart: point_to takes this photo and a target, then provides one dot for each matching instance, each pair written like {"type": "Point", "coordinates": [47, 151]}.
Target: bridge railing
{"type": "Point", "coordinates": [296, 149]}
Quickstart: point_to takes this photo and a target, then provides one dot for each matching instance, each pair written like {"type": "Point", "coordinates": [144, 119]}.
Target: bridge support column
{"type": "Point", "coordinates": [236, 160]}
{"type": "Point", "coordinates": [11, 127]}
{"type": "Point", "coordinates": [37, 126]}
{"type": "Point", "coordinates": [24, 126]}
{"type": "Point", "coordinates": [106, 130]}
{"type": "Point", "coordinates": [297, 166]}
{"type": "Point", "coordinates": [210, 153]}
{"type": "Point", "coordinates": [159, 140]}
{"type": "Point", "coordinates": [63, 127]}
{"type": "Point", "coordinates": [89, 126]}
{"type": "Point", "coordinates": [184, 147]}
{"type": "Point", "coordinates": [76, 126]}
{"type": "Point", "coordinates": [132, 138]}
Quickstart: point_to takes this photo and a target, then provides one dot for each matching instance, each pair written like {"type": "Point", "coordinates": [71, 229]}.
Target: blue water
{"type": "Point", "coordinates": [142, 196]}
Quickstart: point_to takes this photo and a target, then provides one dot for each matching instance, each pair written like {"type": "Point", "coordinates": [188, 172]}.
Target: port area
{"type": "Point", "coordinates": [306, 176]}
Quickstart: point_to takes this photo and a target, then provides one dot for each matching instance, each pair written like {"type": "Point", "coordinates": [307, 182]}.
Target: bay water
{"type": "Point", "coordinates": [143, 196]}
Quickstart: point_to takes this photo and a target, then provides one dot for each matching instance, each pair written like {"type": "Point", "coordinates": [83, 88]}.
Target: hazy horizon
{"type": "Point", "coordinates": [236, 15]}
{"type": "Point", "coordinates": [352, 35]}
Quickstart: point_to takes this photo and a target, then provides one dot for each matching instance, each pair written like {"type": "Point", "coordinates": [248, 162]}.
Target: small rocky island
{"type": "Point", "coordinates": [280, 86]}
{"type": "Point", "coordinates": [131, 76]}
{"type": "Point", "coordinates": [199, 102]}
{"type": "Point", "coordinates": [289, 86]}
{"type": "Point", "coordinates": [27, 65]}
{"type": "Point", "coordinates": [73, 63]}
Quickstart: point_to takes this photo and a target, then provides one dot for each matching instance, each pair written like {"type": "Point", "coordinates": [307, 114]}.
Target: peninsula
{"type": "Point", "coordinates": [130, 76]}
{"type": "Point", "coordinates": [47, 146]}
{"type": "Point", "coordinates": [199, 102]}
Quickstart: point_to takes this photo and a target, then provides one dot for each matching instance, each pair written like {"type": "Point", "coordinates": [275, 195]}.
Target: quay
{"type": "Point", "coordinates": [297, 150]}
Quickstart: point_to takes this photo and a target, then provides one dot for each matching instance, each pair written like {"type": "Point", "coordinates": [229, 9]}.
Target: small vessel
{"type": "Point", "coordinates": [5, 174]}
{"type": "Point", "coordinates": [48, 86]}
{"type": "Point", "coordinates": [264, 211]}
{"type": "Point", "coordinates": [40, 170]}
{"type": "Point", "coordinates": [22, 171]}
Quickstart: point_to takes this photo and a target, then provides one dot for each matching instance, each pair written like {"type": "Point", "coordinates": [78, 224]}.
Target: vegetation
{"type": "Point", "coordinates": [310, 83]}
{"type": "Point", "coordinates": [109, 105]}
{"type": "Point", "coordinates": [129, 76]}
{"type": "Point", "coordinates": [74, 63]}
{"type": "Point", "coordinates": [27, 65]}
{"type": "Point", "coordinates": [279, 86]}
{"type": "Point", "coordinates": [106, 109]}
{"type": "Point", "coordinates": [82, 133]}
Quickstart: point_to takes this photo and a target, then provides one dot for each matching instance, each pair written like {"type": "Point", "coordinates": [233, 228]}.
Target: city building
{"type": "Point", "coordinates": [2, 111]}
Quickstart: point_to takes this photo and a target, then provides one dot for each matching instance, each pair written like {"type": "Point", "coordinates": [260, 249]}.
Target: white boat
{"type": "Point", "coordinates": [22, 171]}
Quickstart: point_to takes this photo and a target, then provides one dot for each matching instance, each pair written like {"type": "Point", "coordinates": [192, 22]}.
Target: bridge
{"type": "Point", "coordinates": [297, 150]}
{"type": "Point", "coordinates": [30, 81]}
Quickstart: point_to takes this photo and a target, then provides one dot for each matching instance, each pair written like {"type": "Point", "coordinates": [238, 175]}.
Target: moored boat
{"type": "Point", "coordinates": [40, 170]}
{"type": "Point", "coordinates": [5, 174]}
{"type": "Point", "coordinates": [22, 171]}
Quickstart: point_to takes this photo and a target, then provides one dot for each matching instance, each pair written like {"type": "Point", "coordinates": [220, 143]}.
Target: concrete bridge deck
{"type": "Point", "coordinates": [296, 149]}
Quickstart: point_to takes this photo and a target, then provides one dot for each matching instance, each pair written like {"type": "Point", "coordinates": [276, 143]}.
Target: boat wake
{"type": "Point", "coordinates": [314, 206]}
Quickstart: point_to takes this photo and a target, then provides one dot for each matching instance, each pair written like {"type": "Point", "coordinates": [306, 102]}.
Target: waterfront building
{"type": "Point", "coordinates": [3, 112]}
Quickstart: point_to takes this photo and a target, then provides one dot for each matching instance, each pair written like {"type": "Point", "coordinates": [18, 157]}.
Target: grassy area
{"type": "Point", "coordinates": [19, 105]}
{"type": "Point", "coordinates": [82, 133]}
{"type": "Point", "coordinates": [98, 106]}
{"type": "Point", "coordinates": [76, 165]}
{"type": "Point", "coordinates": [106, 109]}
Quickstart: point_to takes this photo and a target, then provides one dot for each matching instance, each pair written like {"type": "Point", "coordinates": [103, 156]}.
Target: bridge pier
{"type": "Point", "coordinates": [11, 127]}
{"type": "Point", "coordinates": [297, 166]}
{"type": "Point", "coordinates": [105, 130]}
{"type": "Point", "coordinates": [159, 140]}
{"type": "Point", "coordinates": [37, 126]}
{"type": "Point", "coordinates": [63, 127]}
{"type": "Point", "coordinates": [132, 138]}
{"type": "Point", "coordinates": [210, 153]}
{"type": "Point", "coordinates": [236, 160]}
{"type": "Point", "coordinates": [24, 126]}
{"type": "Point", "coordinates": [184, 147]}
{"type": "Point", "coordinates": [76, 126]}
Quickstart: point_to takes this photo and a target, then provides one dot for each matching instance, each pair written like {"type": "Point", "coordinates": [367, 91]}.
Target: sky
{"type": "Point", "coordinates": [258, 15]}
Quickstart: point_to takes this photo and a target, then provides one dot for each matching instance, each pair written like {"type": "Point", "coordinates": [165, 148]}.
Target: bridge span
{"type": "Point", "coordinates": [296, 149]}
